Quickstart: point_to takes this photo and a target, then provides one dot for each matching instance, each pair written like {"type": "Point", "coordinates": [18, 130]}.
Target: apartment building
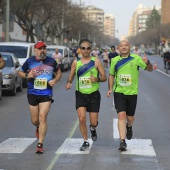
{"type": "Point", "coordinates": [109, 25]}
{"type": "Point", "coordinates": [165, 18]}
{"type": "Point", "coordinates": [96, 15]}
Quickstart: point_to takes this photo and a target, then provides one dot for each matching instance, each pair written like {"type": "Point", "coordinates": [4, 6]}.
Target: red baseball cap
{"type": "Point", "coordinates": [40, 44]}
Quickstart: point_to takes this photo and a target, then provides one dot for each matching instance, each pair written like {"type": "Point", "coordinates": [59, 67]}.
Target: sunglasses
{"type": "Point", "coordinates": [85, 48]}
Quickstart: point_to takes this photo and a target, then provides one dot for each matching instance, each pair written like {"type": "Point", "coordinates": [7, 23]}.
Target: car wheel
{"type": "Point", "coordinates": [13, 91]}
{"type": "Point", "coordinates": [20, 87]}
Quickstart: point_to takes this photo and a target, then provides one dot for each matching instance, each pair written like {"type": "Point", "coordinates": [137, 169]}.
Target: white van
{"type": "Point", "coordinates": [22, 51]}
{"type": "Point", "coordinates": [66, 63]}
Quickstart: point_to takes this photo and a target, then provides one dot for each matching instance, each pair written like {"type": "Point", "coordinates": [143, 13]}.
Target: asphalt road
{"type": "Point", "coordinates": [148, 150]}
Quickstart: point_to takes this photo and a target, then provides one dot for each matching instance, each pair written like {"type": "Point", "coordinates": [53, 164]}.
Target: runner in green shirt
{"type": "Point", "coordinates": [123, 81]}
{"type": "Point", "coordinates": [89, 72]}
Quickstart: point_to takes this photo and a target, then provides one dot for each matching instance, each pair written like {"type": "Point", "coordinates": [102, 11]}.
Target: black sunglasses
{"type": "Point", "coordinates": [85, 48]}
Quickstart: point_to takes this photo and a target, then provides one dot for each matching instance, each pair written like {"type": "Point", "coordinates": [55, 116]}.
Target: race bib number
{"type": "Point", "coordinates": [57, 60]}
{"type": "Point", "coordinates": [40, 83]}
{"type": "Point", "coordinates": [125, 80]}
{"type": "Point", "coordinates": [85, 82]}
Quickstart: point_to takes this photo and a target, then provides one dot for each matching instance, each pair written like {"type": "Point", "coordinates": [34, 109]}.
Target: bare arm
{"type": "Point", "coordinates": [100, 68]}
{"type": "Point", "coordinates": [2, 63]}
{"type": "Point", "coordinates": [71, 76]}
{"type": "Point", "coordinates": [110, 84]}
{"type": "Point", "coordinates": [58, 75]}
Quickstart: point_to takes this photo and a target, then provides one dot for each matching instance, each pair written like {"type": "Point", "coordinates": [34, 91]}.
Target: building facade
{"type": "Point", "coordinates": [138, 21]}
{"type": "Point", "coordinates": [109, 25]}
{"type": "Point", "coordinates": [165, 19]}
{"type": "Point", "coordinates": [95, 15]}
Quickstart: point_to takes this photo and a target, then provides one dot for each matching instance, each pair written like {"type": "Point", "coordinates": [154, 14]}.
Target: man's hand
{"type": "Point", "coordinates": [93, 79]}
{"type": "Point", "coordinates": [52, 83]}
{"type": "Point", "coordinates": [68, 86]}
{"type": "Point", "coordinates": [109, 92]}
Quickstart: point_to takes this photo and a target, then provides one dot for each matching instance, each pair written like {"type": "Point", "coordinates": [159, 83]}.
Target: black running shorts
{"type": "Point", "coordinates": [90, 101]}
{"type": "Point", "coordinates": [126, 103]}
{"type": "Point", "coordinates": [34, 100]}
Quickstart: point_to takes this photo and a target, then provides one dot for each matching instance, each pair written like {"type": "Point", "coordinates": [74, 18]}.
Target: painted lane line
{"type": "Point", "coordinates": [115, 129]}
{"type": "Point", "coordinates": [15, 145]}
{"type": "Point", "coordinates": [163, 72]}
{"type": "Point", "coordinates": [72, 146]}
{"type": "Point", "coordinates": [141, 147]}
{"type": "Point", "coordinates": [54, 160]}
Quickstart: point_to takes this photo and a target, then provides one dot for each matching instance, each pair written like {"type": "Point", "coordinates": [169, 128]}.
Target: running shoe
{"type": "Point", "coordinates": [85, 146]}
{"type": "Point", "coordinates": [93, 134]}
{"type": "Point", "coordinates": [129, 132]}
{"type": "Point", "coordinates": [37, 132]}
{"type": "Point", "coordinates": [39, 149]}
{"type": "Point", "coordinates": [123, 145]}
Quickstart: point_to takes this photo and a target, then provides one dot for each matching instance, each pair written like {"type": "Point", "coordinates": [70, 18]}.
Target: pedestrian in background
{"type": "Point", "coordinates": [112, 53]}
{"type": "Point", "coordinates": [57, 56]}
{"type": "Point", "coordinates": [39, 71]}
{"type": "Point", "coordinates": [89, 73]}
{"type": "Point", "coordinates": [123, 83]}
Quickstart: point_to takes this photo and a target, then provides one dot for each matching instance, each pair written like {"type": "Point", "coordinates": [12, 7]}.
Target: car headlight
{"type": "Point", "coordinates": [7, 76]}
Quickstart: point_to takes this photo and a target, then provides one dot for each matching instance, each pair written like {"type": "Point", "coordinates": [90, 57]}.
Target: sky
{"type": "Point", "coordinates": [121, 9]}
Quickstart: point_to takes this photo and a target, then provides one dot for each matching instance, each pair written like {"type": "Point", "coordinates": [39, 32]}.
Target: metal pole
{"type": "Point", "coordinates": [7, 21]}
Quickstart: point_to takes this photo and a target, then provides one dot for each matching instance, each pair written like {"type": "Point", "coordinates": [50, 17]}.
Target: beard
{"type": "Point", "coordinates": [42, 56]}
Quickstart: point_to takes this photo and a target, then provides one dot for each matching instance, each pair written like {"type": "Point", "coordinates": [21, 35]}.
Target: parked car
{"type": "Point", "coordinates": [150, 52]}
{"type": "Point", "coordinates": [11, 80]}
{"type": "Point", "coordinates": [21, 50]}
{"type": "Point", "coordinates": [66, 64]}
{"type": "Point", "coordinates": [1, 84]}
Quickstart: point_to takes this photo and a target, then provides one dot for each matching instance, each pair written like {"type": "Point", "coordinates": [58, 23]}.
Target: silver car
{"type": "Point", "coordinates": [11, 80]}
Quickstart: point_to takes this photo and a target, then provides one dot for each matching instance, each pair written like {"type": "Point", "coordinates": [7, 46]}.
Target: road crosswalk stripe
{"type": "Point", "coordinates": [142, 147]}
{"type": "Point", "coordinates": [72, 146]}
{"type": "Point", "coordinates": [15, 145]}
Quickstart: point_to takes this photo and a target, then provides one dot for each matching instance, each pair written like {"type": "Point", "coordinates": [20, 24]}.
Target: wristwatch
{"type": "Point", "coordinates": [26, 75]}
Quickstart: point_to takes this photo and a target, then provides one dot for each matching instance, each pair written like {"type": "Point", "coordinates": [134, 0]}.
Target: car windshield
{"type": "Point", "coordinates": [53, 50]}
{"type": "Point", "coordinates": [19, 51]}
{"type": "Point", "coordinates": [8, 61]}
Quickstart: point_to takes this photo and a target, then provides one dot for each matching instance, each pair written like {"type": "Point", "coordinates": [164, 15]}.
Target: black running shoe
{"type": "Point", "coordinates": [123, 145]}
{"type": "Point", "coordinates": [93, 134]}
{"type": "Point", "coordinates": [39, 149]}
{"type": "Point", "coordinates": [129, 132]}
{"type": "Point", "coordinates": [85, 146]}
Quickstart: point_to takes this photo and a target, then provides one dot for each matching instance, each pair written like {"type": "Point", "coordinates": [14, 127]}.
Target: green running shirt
{"type": "Point", "coordinates": [83, 73]}
{"type": "Point", "coordinates": [126, 73]}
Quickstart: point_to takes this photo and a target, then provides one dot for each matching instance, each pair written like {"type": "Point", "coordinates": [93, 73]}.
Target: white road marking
{"type": "Point", "coordinates": [163, 73]}
{"type": "Point", "coordinates": [115, 129]}
{"type": "Point", "coordinates": [72, 146]}
{"type": "Point", "coordinates": [141, 147]}
{"type": "Point", "coordinates": [15, 145]}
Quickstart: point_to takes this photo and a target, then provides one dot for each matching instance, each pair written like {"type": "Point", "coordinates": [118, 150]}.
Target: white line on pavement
{"type": "Point", "coordinates": [15, 145]}
{"type": "Point", "coordinates": [72, 146]}
{"type": "Point", "coordinates": [163, 73]}
{"type": "Point", "coordinates": [141, 147]}
{"type": "Point", "coordinates": [115, 129]}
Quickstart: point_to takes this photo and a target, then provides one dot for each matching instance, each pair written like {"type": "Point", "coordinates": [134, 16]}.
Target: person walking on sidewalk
{"type": "Point", "coordinates": [123, 81]}
{"type": "Point", "coordinates": [87, 71]}
{"type": "Point", "coordinates": [40, 70]}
